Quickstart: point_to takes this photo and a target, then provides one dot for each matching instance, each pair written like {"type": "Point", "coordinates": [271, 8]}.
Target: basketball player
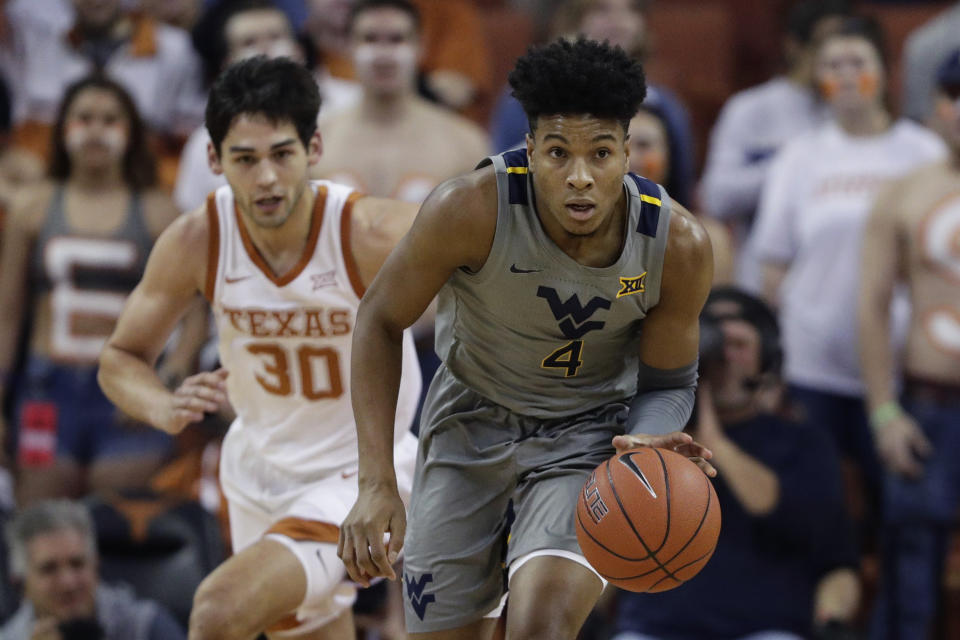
{"type": "Point", "coordinates": [567, 287]}
{"type": "Point", "coordinates": [283, 262]}
{"type": "Point", "coordinates": [912, 237]}
{"type": "Point", "coordinates": [394, 143]}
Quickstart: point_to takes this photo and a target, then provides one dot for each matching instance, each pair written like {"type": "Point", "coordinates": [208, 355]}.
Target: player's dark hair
{"type": "Point", "coordinates": [139, 163]}
{"type": "Point", "coordinates": [361, 6]}
{"type": "Point", "coordinates": [278, 89]}
{"type": "Point", "coordinates": [578, 77]}
{"type": "Point", "coordinates": [757, 313]}
{"type": "Point", "coordinates": [863, 27]}
{"type": "Point", "coordinates": [805, 15]}
{"type": "Point", "coordinates": [209, 35]}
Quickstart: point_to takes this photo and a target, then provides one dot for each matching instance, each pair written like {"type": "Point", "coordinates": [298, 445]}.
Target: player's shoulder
{"type": "Point", "coordinates": [193, 231]}
{"type": "Point", "coordinates": [467, 195]}
{"type": "Point", "coordinates": [687, 240]}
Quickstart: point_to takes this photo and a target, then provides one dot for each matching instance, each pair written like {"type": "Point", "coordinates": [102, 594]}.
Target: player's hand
{"type": "Point", "coordinates": [902, 445]}
{"type": "Point", "coordinates": [682, 443]}
{"type": "Point", "coordinates": [46, 629]}
{"type": "Point", "coordinates": [378, 511]}
{"type": "Point", "coordinates": [198, 394]}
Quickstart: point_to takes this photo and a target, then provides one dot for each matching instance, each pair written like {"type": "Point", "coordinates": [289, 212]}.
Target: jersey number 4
{"type": "Point", "coordinates": [318, 370]}
{"type": "Point", "coordinates": [566, 357]}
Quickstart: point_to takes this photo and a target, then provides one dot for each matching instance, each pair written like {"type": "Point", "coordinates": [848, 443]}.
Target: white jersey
{"type": "Point", "coordinates": [814, 207]}
{"type": "Point", "coordinates": [286, 342]}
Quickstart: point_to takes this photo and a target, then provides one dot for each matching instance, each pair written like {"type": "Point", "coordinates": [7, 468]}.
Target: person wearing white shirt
{"type": "Point", "coordinates": [755, 123]}
{"type": "Point", "coordinates": [809, 232]}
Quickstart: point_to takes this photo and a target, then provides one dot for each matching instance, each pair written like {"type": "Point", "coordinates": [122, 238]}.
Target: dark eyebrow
{"type": "Point", "coordinates": [274, 146]}
{"type": "Point", "coordinates": [557, 136]}
{"type": "Point", "coordinates": [605, 136]}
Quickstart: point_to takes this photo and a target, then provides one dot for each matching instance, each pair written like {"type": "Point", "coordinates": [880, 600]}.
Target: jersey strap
{"type": "Point", "coordinates": [650, 205]}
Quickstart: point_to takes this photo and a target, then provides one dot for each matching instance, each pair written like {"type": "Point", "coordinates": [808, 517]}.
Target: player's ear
{"type": "Point", "coordinates": [314, 148]}
{"type": "Point", "coordinates": [530, 145]}
{"type": "Point", "coordinates": [213, 159]}
{"type": "Point", "coordinates": [626, 153]}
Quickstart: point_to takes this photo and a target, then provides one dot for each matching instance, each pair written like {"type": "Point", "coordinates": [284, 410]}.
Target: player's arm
{"type": "Point", "coordinates": [174, 275]}
{"type": "Point", "coordinates": [670, 340]}
{"type": "Point", "coordinates": [454, 228]}
{"type": "Point", "coordinates": [899, 439]}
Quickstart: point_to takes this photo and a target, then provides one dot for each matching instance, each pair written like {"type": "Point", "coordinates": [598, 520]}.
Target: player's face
{"type": "Point", "coordinates": [385, 50]}
{"type": "Point", "coordinates": [619, 21]}
{"type": "Point", "coordinates": [61, 576]}
{"type": "Point", "coordinates": [261, 32]}
{"type": "Point", "coordinates": [849, 73]}
{"type": "Point", "coordinates": [741, 349]}
{"type": "Point", "coordinates": [578, 163]}
{"type": "Point", "coordinates": [267, 167]}
{"type": "Point", "coordinates": [649, 152]}
{"type": "Point", "coordinates": [96, 129]}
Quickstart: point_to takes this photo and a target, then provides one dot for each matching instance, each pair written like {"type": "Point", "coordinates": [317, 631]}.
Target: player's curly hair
{"type": "Point", "coordinates": [578, 77]}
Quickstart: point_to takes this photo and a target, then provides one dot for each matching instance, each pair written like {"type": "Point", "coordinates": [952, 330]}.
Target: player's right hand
{"type": "Point", "coordinates": [201, 393]}
{"type": "Point", "coordinates": [902, 445]}
{"type": "Point", "coordinates": [378, 511]}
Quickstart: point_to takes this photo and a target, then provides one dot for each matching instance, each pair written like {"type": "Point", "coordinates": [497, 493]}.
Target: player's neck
{"type": "Point", "coordinates": [96, 179]}
{"type": "Point", "coordinates": [283, 246]}
{"type": "Point", "coordinates": [387, 109]}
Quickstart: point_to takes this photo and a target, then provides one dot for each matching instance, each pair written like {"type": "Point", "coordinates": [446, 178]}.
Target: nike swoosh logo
{"type": "Point", "coordinates": [230, 280]}
{"type": "Point", "coordinates": [515, 269]}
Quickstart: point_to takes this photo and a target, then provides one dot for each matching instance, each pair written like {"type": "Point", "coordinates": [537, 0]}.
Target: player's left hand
{"type": "Point", "coordinates": [682, 443]}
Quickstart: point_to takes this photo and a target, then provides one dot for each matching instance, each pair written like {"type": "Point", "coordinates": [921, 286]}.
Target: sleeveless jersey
{"type": "Point", "coordinates": [539, 333]}
{"type": "Point", "coordinates": [88, 277]}
{"type": "Point", "coordinates": [286, 342]}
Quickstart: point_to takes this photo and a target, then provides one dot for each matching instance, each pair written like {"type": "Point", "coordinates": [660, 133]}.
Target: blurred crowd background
{"type": "Point", "coordinates": [102, 145]}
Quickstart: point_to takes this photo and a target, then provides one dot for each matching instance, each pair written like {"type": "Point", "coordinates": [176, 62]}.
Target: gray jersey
{"type": "Point", "coordinates": [534, 330]}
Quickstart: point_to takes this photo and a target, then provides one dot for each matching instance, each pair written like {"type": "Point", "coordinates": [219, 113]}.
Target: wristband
{"type": "Point", "coordinates": [883, 414]}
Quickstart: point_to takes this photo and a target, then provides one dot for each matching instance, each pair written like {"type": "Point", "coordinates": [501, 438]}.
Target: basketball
{"type": "Point", "coordinates": [648, 519]}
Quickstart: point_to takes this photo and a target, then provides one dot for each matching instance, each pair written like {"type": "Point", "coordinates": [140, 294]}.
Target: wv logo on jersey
{"type": "Point", "coordinates": [573, 317]}
{"type": "Point", "coordinates": [415, 587]}
{"type": "Point", "coordinates": [633, 285]}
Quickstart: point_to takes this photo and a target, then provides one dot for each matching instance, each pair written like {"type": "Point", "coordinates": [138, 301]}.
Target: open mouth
{"type": "Point", "coordinates": [581, 211]}
{"type": "Point", "coordinates": [268, 205]}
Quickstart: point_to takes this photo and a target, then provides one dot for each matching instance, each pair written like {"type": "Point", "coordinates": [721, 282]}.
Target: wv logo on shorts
{"type": "Point", "coordinates": [415, 591]}
{"type": "Point", "coordinates": [573, 317]}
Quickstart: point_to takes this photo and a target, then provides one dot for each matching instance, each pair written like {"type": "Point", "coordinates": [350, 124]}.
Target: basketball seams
{"type": "Point", "coordinates": [616, 495]}
{"type": "Point", "coordinates": [666, 490]}
{"type": "Point", "coordinates": [696, 532]}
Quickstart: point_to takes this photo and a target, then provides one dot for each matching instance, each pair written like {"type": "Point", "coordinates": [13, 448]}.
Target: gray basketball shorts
{"type": "Point", "coordinates": [475, 458]}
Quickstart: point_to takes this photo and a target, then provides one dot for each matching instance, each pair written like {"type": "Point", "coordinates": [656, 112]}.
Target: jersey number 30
{"type": "Point", "coordinates": [566, 357]}
{"type": "Point", "coordinates": [318, 369]}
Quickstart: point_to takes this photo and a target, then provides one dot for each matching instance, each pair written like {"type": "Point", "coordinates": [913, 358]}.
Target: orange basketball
{"type": "Point", "coordinates": [648, 519]}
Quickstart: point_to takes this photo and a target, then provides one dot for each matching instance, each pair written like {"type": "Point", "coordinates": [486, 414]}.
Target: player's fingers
{"type": "Point", "coordinates": [378, 556]}
{"type": "Point", "coordinates": [398, 531]}
{"type": "Point", "coordinates": [365, 564]}
{"type": "Point", "coordinates": [694, 450]}
{"type": "Point", "coordinates": [705, 466]}
{"type": "Point", "coordinates": [193, 403]}
{"type": "Point", "coordinates": [345, 551]}
{"type": "Point", "coordinates": [921, 445]}
{"type": "Point", "coordinates": [213, 394]}
{"type": "Point", "coordinates": [666, 441]}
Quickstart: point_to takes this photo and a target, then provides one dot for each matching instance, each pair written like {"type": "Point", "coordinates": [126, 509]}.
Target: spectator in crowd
{"type": "Point", "coordinates": [394, 143]}
{"type": "Point", "coordinates": [73, 248]}
{"type": "Point", "coordinates": [809, 233]}
{"type": "Point", "coordinates": [153, 62]}
{"type": "Point", "coordinates": [785, 561]}
{"type": "Point", "coordinates": [228, 33]}
{"type": "Point", "coordinates": [455, 65]}
{"type": "Point", "coordinates": [651, 148]}
{"type": "Point", "coordinates": [53, 552]}
{"type": "Point", "coordinates": [622, 23]}
{"type": "Point", "coordinates": [754, 124]}
{"type": "Point", "coordinates": [923, 52]}
{"type": "Point", "coordinates": [908, 238]}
